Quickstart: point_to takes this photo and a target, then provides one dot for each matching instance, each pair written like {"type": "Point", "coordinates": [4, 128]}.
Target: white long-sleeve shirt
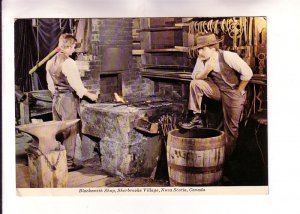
{"type": "Point", "coordinates": [70, 70]}
{"type": "Point", "coordinates": [232, 59]}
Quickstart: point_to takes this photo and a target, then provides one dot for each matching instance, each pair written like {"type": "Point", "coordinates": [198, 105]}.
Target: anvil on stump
{"type": "Point", "coordinates": [47, 158]}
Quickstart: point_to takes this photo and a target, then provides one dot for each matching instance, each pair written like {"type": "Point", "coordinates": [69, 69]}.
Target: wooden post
{"type": "Point", "coordinates": [24, 111]}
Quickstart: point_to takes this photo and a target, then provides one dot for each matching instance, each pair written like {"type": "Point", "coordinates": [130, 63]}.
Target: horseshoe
{"type": "Point", "coordinates": [195, 27]}
{"type": "Point", "coordinates": [190, 27]}
{"type": "Point", "coordinates": [227, 25]}
{"type": "Point", "coordinates": [199, 27]}
{"type": "Point", "coordinates": [210, 25]}
{"type": "Point", "coordinates": [222, 26]}
{"type": "Point", "coordinates": [203, 26]}
{"type": "Point", "coordinates": [216, 27]}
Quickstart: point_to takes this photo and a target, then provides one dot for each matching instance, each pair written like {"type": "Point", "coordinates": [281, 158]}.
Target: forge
{"type": "Point", "coordinates": [124, 149]}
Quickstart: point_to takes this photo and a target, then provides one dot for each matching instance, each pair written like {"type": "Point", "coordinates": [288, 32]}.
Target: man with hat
{"type": "Point", "coordinates": [65, 84]}
{"type": "Point", "coordinates": [222, 76]}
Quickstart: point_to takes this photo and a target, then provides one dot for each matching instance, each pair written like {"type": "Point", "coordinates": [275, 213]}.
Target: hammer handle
{"type": "Point", "coordinates": [40, 63]}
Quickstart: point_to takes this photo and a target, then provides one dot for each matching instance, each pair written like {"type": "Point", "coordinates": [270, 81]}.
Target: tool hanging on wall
{"type": "Point", "coordinates": [216, 30]}
{"type": "Point", "coordinates": [245, 25]}
{"type": "Point", "coordinates": [250, 45]}
{"type": "Point", "coordinates": [261, 62]}
{"type": "Point", "coordinates": [167, 123]}
{"type": "Point", "coordinates": [240, 30]}
{"type": "Point", "coordinates": [260, 48]}
{"type": "Point", "coordinates": [260, 98]}
{"type": "Point", "coordinates": [235, 32]}
{"type": "Point", "coordinates": [245, 48]}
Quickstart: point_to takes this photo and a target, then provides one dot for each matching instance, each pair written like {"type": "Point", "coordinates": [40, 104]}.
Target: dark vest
{"type": "Point", "coordinates": [227, 74]}
{"type": "Point", "coordinates": [59, 79]}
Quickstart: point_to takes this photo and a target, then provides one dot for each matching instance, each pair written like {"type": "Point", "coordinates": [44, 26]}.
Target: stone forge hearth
{"type": "Point", "coordinates": [125, 150]}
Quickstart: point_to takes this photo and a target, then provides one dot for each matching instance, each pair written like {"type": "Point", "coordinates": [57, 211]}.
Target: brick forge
{"type": "Point", "coordinates": [124, 150]}
{"type": "Point", "coordinates": [113, 68]}
{"type": "Point", "coordinates": [119, 71]}
{"type": "Point", "coordinates": [110, 67]}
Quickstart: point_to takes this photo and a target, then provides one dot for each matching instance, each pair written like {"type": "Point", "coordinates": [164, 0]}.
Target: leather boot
{"type": "Point", "coordinates": [195, 121]}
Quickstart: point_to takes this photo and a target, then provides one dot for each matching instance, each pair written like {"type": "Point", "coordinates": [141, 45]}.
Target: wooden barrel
{"type": "Point", "coordinates": [195, 157]}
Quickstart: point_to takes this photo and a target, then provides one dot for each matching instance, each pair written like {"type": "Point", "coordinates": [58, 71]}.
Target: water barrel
{"type": "Point", "coordinates": [195, 157]}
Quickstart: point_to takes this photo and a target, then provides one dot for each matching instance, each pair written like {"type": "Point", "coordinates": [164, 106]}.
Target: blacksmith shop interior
{"type": "Point", "coordinates": [162, 101]}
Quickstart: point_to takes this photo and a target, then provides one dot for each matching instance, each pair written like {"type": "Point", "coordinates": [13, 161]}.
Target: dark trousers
{"type": "Point", "coordinates": [232, 102]}
{"type": "Point", "coordinates": [65, 106]}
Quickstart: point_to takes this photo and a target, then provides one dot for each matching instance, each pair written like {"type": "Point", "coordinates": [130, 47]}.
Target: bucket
{"type": "Point", "coordinates": [195, 157]}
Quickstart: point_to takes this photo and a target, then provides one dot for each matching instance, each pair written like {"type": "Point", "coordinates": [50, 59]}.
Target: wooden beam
{"type": "Point", "coordinates": [159, 29]}
{"type": "Point", "coordinates": [163, 50]}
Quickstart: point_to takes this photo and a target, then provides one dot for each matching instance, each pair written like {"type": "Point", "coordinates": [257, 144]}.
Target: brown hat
{"type": "Point", "coordinates": [206, 40]}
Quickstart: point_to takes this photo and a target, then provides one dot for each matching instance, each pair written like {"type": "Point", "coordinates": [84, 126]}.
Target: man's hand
{"type": "Point", "coordinates": [92, 96]}
{"type": "Point", "coordinates": [208, 67]}
{"type": "Point", "coordinates": [242, 87]}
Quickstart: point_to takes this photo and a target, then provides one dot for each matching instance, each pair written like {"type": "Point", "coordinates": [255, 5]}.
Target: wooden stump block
{"type": "Point", "coordinates": [48, 170]}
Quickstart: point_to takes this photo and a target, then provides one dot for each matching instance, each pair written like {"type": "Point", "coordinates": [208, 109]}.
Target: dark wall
{"type": "Point", "coordinates": [35, 39]}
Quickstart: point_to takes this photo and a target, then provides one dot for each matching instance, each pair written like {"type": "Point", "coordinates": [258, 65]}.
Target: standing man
{"type": "Point", "coordinates": [219, 75]}
{"type": "Point", "coordinates": [64, 82]}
